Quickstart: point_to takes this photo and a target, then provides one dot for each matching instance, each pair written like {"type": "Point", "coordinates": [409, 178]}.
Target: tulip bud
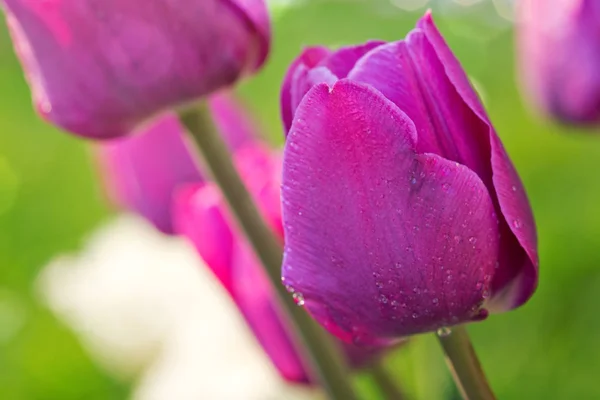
{"type": "Point", "coordinates": [143, 171]}
{"type": "Point", "coordinates": [559, 57]}
{"type": "Point", "coordinates": [200, 214]}
{"type": "Point", "coordinates": [100, 68]}
{"type": "Point", "coordinates": [402, 211]}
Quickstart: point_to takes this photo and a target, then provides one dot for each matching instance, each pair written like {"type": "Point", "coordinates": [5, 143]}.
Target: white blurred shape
{"type": "Point", "coordinates": [144, 306]}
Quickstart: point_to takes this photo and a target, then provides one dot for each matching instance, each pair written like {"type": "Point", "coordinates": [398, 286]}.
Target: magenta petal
{"type": "Point", "coordinates": [258, 303]}
{"type": "Point", "coordinates": [99, 69]}
{"type": "Point", "coordinates": [381, 241]}
{"type": "Point", "coordinates": [197, 215]}
{"type": "Point", "coordinates": [307, 60]}
{"type": "Point", "coordinates": [341, 61]}
{"type": "Point", "coordinates": [258, 17]}
{"type": "Point", "coordinates": [234, 124]}
{"type": "Point", "coordinates": [518, 273]}
{"type": "Point", "coordinates": [141, 172]}
{"type": "Point", "coordinates": [410, 74]}
{"type": "Point", "coordinates": [302, 81]}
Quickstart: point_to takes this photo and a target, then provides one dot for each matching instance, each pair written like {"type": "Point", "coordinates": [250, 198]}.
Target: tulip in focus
{"type": "Point", "coordinates": [200, 214]}
{"type": "Point", "coordinates": [143, 171]}
{"type": "Point", "coordinates": [559, 57]}
{"type": "Point", "coordinates": [99, 69]}
{"type": "Point", "coordinates": [402, 211]}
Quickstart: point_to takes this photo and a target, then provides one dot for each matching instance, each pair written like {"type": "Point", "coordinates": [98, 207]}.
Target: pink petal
{"type": "Point", "coordinates": [306, 60]}
{"type": "Point", "coordinates": [141, 172]}
{"type": "Point", "coordinates": [198, 215]}
{"type": "Point", "coordinates": [381, 241]}
{"type": "Point", "coordinates": [316, 65]}
{"type": "Point", "coordinates": [99, 69]}
{"type": "Point", "coordinates": [519, 268]}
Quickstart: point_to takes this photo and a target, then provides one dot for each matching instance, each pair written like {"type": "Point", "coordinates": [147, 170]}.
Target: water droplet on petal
{"type": "Point", "coordinates": [298, 298]}
{"type": "Point", "coordinates": [514, 188]}
{"type": "Point", "coordinates": [398, 265]}
{"type": "Point", "coordinates": [472, 240]}
{"type": "Point", "coordinates": [415, 315]}
{"type": "Point", "coordinates": [435, 300]}
{"type": "Point", "coordinates": [445, 187]}
{"type": "Point", "coordinates": [517, 224]}
{"type": "Point", "coordinates": [383, 299]}
{"type": "Point", "coordinates": [444, 331]}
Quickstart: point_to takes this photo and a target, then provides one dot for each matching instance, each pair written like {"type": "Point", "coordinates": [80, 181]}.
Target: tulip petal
{"type": "Point", "coordinates": [341, 61]}
{"type": "Point", "coordinates": [257, 302]}
{"type": "Point", "coordinates": [197, 215]}
{"type": "Point", "coordinates": [141, 172]}
{"type": "Point", "coordinates": [99, 69]}
{"type": "Point", "coordinates": [309, 58]}
{"type": "Point", "coordinates": [258, 17]}
{"type": "Point", "coordinates": [380, 241]}
{"type": "Point", "coordinates": [517, 277]}
{"type": "Point", "coordinates": [316, 65]}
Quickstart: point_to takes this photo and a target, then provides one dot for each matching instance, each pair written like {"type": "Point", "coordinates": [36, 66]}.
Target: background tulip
{"type": "Point", "coordinates": [559, 57]}
{"type": "Point", "coordinates": [200, 214]}
{"type": "Point", "coordinates": [143, 171]}
{"type": "Point", "coordinates": [98, 69]}
{"type": "Point", "coordinates": [402, 212]}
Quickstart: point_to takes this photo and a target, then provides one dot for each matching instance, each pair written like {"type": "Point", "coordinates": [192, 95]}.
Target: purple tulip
{"type": "Point", "coordinates": [200, 214]}
{"type": "Point", "coordinates": [559, 51]}
{"type": "Point", "coordinates": [100, 68]}
{"type": "Point", "coordinates": [402, 211]}
{"type": "Point", "coordinates": [142, 171]}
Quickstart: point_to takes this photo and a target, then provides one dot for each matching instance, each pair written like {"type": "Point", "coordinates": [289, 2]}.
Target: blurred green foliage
{"type": "Point", "coordinates": [50, 199]}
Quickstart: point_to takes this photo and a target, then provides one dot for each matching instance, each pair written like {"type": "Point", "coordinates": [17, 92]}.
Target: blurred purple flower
{"type": "Point", "coordinates": [559, 57]}
{"type": "Point", "coordinates": [402, 211]}
{"type": "Point", "coordinates": [142, 172]}
{"type": "Point", "coordinates": [100, 68]}
{"type": "Point", "coordinates": [200, 214]}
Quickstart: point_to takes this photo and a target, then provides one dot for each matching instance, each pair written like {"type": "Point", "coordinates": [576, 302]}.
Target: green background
{"type": "Point", "coordinates": [550, 348]}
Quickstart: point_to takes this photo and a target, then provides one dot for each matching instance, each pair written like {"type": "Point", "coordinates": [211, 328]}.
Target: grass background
{"type": "Point", "coordinates": [550, 348]}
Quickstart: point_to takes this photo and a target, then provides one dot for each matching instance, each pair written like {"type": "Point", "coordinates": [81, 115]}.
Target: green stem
{"type": "Point", "coordinates": [464, 365]}
{"type": "Point", "coordinates": [386, 385]}
{"type": "Point", "coordinates": [323, 359]}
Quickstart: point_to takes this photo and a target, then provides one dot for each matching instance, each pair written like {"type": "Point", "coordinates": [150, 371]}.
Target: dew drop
{"type": "Point", "coordinates": [444, 331]}
{"type": "Point", "coordinates": [485, 294]}
{"type": "Point", "coordinates": [379, 284]}
{"type": "Point", "coordinates": [394, 303]}
{"type": "Point", "coordinates": [472, 240]}
{"type": "Point", "coordinates": [445, 187]}
{"type": "Point", "coordinates": [517, 224]}
{"type": "Point", "coordinates": [415, 315]}
{"type": "Point", "coordinates": [398, 265]}
{"type": "Point", "coordinates": [298, 298]}
{"type": "Point", "coordinates": [383, 299]}
{"type": "Point", "coordinates": [514, 188]}
{"type": "Point", "coordinates": [457, 239]}
{"type": "Point", "coordinates": [435, 300]}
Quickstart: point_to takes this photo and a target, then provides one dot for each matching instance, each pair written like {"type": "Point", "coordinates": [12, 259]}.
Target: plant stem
{"type": "Point", "coordinates": [323, 361]}
{"type": "Point", "coordinates": [464, 365]}
{"type": "Point", "coordinates": [386, 385]}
